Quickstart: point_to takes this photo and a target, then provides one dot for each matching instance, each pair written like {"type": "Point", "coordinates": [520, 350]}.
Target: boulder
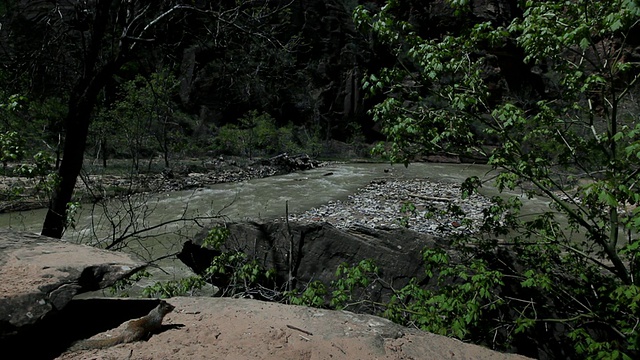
{"type": "Point", "coordinates": [318, 249]}
{"type": "Point", "coordinates": [40, 275]}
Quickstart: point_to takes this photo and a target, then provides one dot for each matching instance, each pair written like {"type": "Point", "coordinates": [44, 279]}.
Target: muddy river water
{"type": "Point", "coordinates": [254, 199]}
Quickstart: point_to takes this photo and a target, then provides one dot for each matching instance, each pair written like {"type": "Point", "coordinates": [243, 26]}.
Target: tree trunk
{"type": "Point", "coordinates": [77, 127]}
{"type": "Point", "coordinates": [83, 99]}
{"type": "Point", "coordinates": [77, 123]}
{"type": "Point", "coordinates": [105, 155]}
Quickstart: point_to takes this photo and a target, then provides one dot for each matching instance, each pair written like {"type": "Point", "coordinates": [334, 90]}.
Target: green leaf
{"type": "Point", "coordinates": [616, 25]}
{"type": "Point", "coordinates": [607, 198]}
{"type": "Point", "coordinates": [584, 43]}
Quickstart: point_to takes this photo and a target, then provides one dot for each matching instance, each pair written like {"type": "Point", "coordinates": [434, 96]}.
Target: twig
{"type": "Point", "coordinates": [290, 280]}
{"type": "Point", "coordinates": [301, 330]}
{"type": "Point", "coordinates": [431, 198]}
{"type": "Point", "coordinates": [339, 348]}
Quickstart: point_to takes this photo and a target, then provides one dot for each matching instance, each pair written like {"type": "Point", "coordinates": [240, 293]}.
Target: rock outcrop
{"type": "Point", "coordinates": [318, 249]}
{"type": "Point", "coordinates": [223, 328]}
{"type": "Point", "coordinates": [40, 275]}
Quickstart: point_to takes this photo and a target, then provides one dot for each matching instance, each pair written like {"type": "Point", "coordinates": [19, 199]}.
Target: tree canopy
{"type": "Point", "coordinates": [577, 144]}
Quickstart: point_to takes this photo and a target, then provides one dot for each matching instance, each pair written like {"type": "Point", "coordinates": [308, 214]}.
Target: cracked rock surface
{"type": "Point", "coordinates": [224, 328]}
{"type": "Point", "coordinates": [39, 275]}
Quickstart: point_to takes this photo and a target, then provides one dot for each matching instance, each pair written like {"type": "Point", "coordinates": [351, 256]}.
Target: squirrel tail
{"type": "Point", "coordinates": [90, 344]}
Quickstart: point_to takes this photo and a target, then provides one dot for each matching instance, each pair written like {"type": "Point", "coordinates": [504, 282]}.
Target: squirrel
{"type": "Point", "coordinates": [135, 330]}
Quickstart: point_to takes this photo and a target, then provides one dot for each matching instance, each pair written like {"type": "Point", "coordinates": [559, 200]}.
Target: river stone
{"type": "Point", "coordinates": [39, 275]}
{"type": "Point", "coordinates": [383, 204]}
{"type": "Point", "coordinates": [319, 248]}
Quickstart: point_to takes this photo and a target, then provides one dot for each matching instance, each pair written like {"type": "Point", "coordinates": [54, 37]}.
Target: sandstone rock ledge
{"type": "Point", "coordinates": [39, 276]}
{"type": "Point", "coordinates": [39, 319]}
{"type": "Point", "coordinates": [223, 328]}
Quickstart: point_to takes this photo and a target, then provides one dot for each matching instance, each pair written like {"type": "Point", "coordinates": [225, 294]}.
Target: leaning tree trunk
{"type": "Point", "coordinates": [77, 123]}
{"type": "Point", "coordinates": [77, 127]}
{"type": "Point", "coordinates": [81, 104]}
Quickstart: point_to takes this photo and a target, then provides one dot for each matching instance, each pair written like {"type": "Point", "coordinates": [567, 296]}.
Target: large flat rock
{"type": "Point", "coordinates": [224, 328]}
{"type": "Point", "coordinates": [39, 275]}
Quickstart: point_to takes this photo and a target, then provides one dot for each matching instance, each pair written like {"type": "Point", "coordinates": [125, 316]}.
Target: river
{"type": "Point", "coordinates": [261, 198]}
{"type": "Point", "coordinates": [254, 199]}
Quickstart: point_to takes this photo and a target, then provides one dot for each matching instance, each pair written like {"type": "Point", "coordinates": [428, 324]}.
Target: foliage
{"type": "Point", "coordinates": [349, 290]}
{"type": "Point", "coordinates": [72, 211]}
{"type": "Point", "coordinates": [241, 274]}
{"type": "Point", "coordinates": [311, 140]}
{"type": "Point", "coordinates": [11, 143]}
{"type": "Point", "coordinates": [143, 121]}
{"type": "Point", "coordinates": [216, 237]}
{"type": "Point", "coordinates": [357, 139]}
{"type": "Point", "coordinates": [182, 287]}
{"type": "Point", "coordinates": [454, 304]}
{"type": "Point", "coordinates": [312, 295]}
{"type": "Point", "coordinates": [220, 265]}
{"type": "Point", "coordinates": [230, 270]}
{"type": "Point", "coordinates": [457, 303]}
{"type": "Point", "coordinates": [349, 279]}
{"type": "Point", "coordinates": [14, 102]}
{"type": "Point", "coordinates": [256, 134]}
{"type": "Point", "coordinates": [233, 268]}
{"type": "Point", "coordinates": [581, 256]}
{"type": "Point", "coordinates": [122, 286]}
{"type": "Point", "coordinates": [34, 122]}
{"type": "Point", "coordinates": [408, 208]}
{"type": "Point", "coordinates": [11, 147]}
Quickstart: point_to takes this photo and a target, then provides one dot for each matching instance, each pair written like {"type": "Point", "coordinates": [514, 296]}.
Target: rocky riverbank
{"type": "Point", "coordinates": [419, 204]}
{"type": "Point", "coordinates": [20, 193]}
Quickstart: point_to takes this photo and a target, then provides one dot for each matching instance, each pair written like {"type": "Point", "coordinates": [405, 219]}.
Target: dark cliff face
{"type": "Point", "coordinates": [317, 82]}
{"type": "Point", "coordinates": [310, 76]}
{"type": "Point", "coordinates": [303, 65]}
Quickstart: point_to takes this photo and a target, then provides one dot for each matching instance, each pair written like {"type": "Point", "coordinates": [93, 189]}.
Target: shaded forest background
{"type": "Point", "coordinates": [295, 63]}
{"type": "Point", "coordinates": [544, 91]}
{"type": "Point", "coordinates": [299, 62]}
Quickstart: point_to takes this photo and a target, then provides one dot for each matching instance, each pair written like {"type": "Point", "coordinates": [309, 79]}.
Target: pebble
{"type": "Point", "coordinates": [380, 205]}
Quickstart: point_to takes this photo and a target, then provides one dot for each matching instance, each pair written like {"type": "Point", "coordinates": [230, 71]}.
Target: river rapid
{"type": "Point", "coordinates": [264, 198]}
{"type": "Point", "coordinates": [257, 199]}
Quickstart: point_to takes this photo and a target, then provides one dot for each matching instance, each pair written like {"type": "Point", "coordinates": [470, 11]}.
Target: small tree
{"type": "Point", "coordinates": [143, 120]}
{"type": "Point", "coordinates": [439, 99]}
{"type": "Point", "coordinates": [10, 148]}
{"type": "Point", "coordinates": [256, 133]}
{"type": "Point", "coordinates": [13, 149]}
